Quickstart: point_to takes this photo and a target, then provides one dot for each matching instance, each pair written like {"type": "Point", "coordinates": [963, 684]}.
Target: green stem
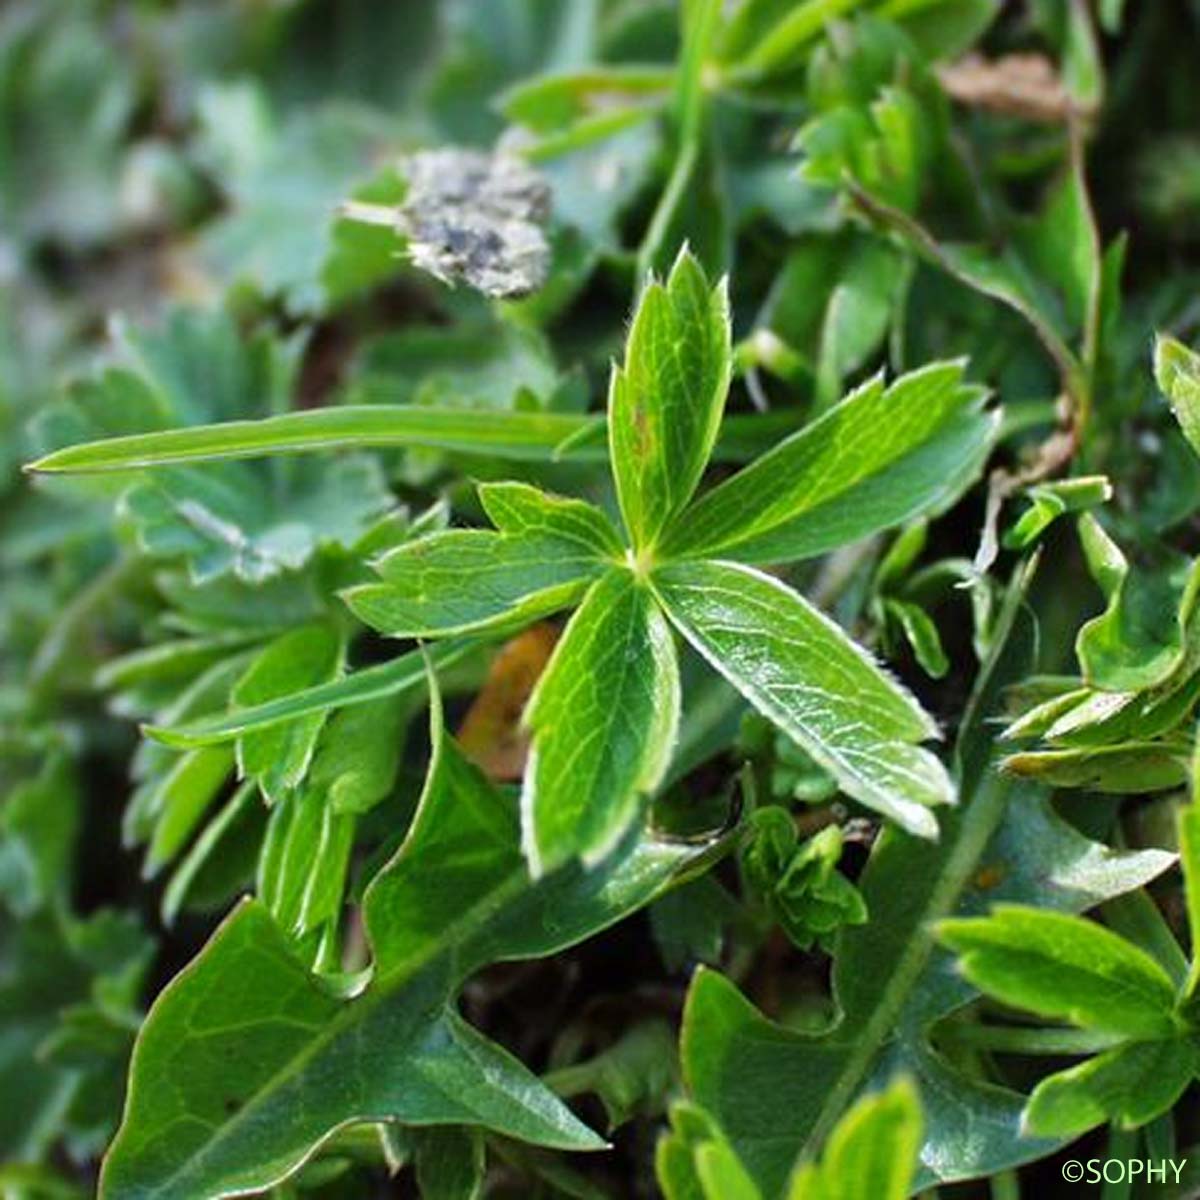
{"type": "Point", "coordinates": [1006, 1186]}
{"type": "Point", "coordinates": [701, 20]}
{"type": "Point", "coordinates": [1015, 1039]}
{"type": "Point", "coordinates": [1072, 373]}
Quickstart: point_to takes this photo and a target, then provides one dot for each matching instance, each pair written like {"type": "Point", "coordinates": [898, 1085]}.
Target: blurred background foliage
{"type": "Point", "coordinates": [170, 253]}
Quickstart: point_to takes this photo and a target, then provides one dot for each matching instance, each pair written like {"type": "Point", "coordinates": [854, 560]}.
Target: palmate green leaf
{"type": "Point", "coordinates": [233, 1087]}
{"type": "Point", "coordinates": [477, 364]}
{"type": "Point", "coordinates": [284, 182]}
{"type": "Point", "coordinates": [1063, 967]}
{"type": "Point", "coordinates": [801, 671]}
{"type": "Point", "coordinates": [665, 401]}
{"type": "Point", "coordinates": [776, 1093]}
{"type": "Point", "coordinates": [604, 718]}
{"type": "Point", "coordinates": [232, 519]}
{"type": "Point", "coordinates": [254, 521]}
{"type": "Point", "coordinates": [883, 456]}
{"type": "Point", "coordinates": [69, 102]}
{"type": "Point", "coordinates": [1128, 1085]}
{"type": "Point", "coordinates": [549, 549]}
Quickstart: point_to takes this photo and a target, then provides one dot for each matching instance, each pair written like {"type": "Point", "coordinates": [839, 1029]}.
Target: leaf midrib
{"type": "Point", "coordinates": [381, 988]}
{"type": "Point", "coordinates": [979, 823]}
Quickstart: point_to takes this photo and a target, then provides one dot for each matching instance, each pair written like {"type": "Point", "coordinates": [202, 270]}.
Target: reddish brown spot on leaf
{"type": "Point", "coordinates": [491, 731]}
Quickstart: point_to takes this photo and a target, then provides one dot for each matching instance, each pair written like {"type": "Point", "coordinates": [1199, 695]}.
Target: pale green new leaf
{"type": "Point", "coordinates": [219, 836]}
{"type": "Point", "coordinates": [468, 580]}
{"type": "Point", "coordinates": [1064, 967]}
{"type": "Point", "coordinates": [1049, 501]}
{"type": "Point", "coordinates": [665, 401]}
{"type": "Point", "coordinates": [883, 456]}
{"type": "Point", "coordinates": [231, 1080]}
{"type": "Point", "coordinates": [1128, 1085]}
{"type": "Point", "coordinates": [693, 1161]}
{"type": "Point", "coordinates": [872, 1151]}
{"type": "Point", "coordinates": [303, 862]}
{"type": "Point", "coordinates": [1177, 372]}
{"type": "Point", "coordinates": [604, 718]}
{"type": "Point", "coordinates": [801, 671]}
{"type": "Point", "coordinates": [762, 36]}
{"type": "Point", "coordinates": [922, 634]}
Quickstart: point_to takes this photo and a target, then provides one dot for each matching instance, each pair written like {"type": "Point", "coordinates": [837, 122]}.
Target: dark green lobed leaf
{"type": "Point", "coordinates": [230, 1087]}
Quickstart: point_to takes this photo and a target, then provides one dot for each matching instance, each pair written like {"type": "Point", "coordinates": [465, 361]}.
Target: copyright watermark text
{"type": "Point", "coordinates": [1119, 1170]}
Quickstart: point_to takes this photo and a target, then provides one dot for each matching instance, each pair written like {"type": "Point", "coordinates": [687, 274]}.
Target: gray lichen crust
{"type": "Point", "coordinates": [477, 217]}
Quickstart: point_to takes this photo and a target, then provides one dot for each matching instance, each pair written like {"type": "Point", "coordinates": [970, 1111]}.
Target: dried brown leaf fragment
{"type": "Point", "coordinates": [1013, 85]}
